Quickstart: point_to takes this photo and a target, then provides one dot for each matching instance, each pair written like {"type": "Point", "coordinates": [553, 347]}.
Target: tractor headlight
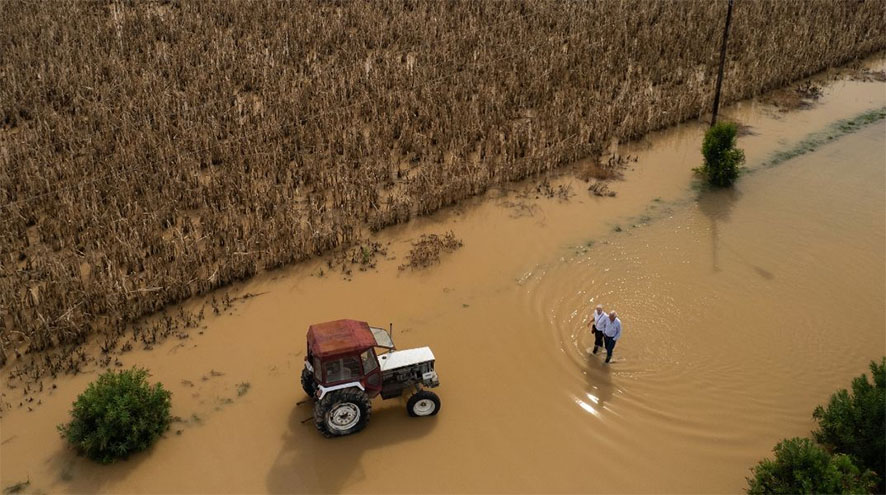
{"type": "Point", "coordinates": [430, 379]}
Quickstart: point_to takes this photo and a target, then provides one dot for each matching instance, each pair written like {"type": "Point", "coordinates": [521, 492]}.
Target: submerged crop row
{"type": "Point", "coordinates": [150, 151]}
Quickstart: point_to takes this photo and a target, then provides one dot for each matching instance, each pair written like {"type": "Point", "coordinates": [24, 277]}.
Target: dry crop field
{"type": "Point", "coordinates": [150, 151]}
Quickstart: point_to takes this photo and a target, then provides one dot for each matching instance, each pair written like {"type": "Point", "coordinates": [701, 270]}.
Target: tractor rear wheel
{"type": "Point", "coordinates": [423, 403]}
{"type": "Point", "coordinates": [342, 412]}
{"type": "Point", "coordinates": [308, 383]}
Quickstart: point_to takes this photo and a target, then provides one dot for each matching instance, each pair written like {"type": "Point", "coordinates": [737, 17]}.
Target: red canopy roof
{"type": "Point", "coordinates": [339, 337]}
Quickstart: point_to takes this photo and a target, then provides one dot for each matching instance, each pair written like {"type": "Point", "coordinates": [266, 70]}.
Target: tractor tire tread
{"type": "Point", "coordinates": [423, 395]}
{"type": "Point", "coordinates": [308, 384]}
{"type": "Point", "coordinates": [353, 395]}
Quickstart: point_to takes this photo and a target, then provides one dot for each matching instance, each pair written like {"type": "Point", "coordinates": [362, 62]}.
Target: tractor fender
{"type": "Point", "coordinates": [324, 390]}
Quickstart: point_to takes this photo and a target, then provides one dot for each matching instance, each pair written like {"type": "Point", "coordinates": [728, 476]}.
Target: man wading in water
{"type": "Point", "coordinates": [595, 327]}
{"type": "Point", "coordinates": [611, 328]}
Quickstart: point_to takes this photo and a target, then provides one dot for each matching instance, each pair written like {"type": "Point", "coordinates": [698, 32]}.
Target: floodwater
{"type": "Point", "coordinates": [742, 311]}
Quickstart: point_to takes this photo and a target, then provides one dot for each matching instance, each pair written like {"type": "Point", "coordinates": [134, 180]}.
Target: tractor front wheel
{"type": "Point", "coordinates": [423, 403]}
{"type": "Point", "coordinates": [342, 412]}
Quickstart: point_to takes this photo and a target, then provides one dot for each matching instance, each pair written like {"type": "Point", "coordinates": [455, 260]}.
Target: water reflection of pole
{"type": "Point", "coordinates": [717, 206]}
{"type": "Point", "coordinates": [715, 239]}
{"type": "Point", "coordinates": [722, 63]}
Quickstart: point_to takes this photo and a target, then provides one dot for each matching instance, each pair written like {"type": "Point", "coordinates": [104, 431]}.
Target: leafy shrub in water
{"type": "Point", "coordinates": [855, 424]}
{"type": "Point", "coordinates": [721, 158]}
{"type": "Point", "coordinates": [801, 466]}
{"type": "Point", "coordinates": [118, 414]}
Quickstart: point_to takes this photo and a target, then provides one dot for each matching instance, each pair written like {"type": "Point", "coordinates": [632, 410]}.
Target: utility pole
{"type": "Point", "coordinates": [722, 63]}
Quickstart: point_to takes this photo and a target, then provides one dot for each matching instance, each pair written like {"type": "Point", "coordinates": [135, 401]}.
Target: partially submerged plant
{"type": "Point", "coordinates": [801, 466]}
{"type": "Point", "coordinates": [117, 415]}
{"type": "Point", "coordinates": [849, 457]}
{"type": "Point", "coordinates": [242, 388]}
{"type": "Point", "coordinates": [722, 160]}
{"type": "Point", "coordinates": [17, 487]}
{"type": "Point", "coordinates": [426, 250]}
{"type": "Point", "coordinates": [854, 423]}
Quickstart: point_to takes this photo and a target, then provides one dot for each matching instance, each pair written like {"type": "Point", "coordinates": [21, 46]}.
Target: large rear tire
{"type": "Point", "coordinates": [308, 383]}
{"type": "Point", "coordinates": [342, 412]}
{"type": "Point", "coordinates": [423, 403]}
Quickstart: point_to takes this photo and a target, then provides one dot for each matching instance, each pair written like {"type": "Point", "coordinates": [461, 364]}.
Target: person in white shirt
{"type": "Point", "coordinates": [595, 325]}
{"type": "Point", "coordinates": [611, 333]}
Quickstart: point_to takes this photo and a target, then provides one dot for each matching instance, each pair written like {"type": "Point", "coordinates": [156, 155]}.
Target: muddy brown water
{"type": "Point", "coordinates": [742, 311]}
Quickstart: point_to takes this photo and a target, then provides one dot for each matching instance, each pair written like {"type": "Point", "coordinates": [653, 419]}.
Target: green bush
{"type": "Point", "coordinates": [721, 158]}
{"type": "Point", "coordinates": [855, 424]}
{"type": "Point", "coordinates": [801, 466]}
{"type": "Point", "coordinates": [118, 414]}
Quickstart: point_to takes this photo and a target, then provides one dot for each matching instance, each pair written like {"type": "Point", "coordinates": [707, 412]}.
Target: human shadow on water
{"type": "Point", "coordinates": [310, 463]}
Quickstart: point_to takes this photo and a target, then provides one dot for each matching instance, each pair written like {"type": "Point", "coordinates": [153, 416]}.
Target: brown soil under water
{"type": "Point", "coordinates": [742, 310]}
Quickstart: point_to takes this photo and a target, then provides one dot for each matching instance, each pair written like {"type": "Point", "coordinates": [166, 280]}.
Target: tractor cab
{"type": "Point", "coordinates": [343, 352]}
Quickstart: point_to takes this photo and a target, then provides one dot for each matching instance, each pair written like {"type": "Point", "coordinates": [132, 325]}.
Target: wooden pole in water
{"type": "Point", "coordinates": [722, 63]}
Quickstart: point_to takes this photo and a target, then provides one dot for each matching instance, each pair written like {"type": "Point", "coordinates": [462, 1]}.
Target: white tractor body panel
{"type": "Point", "coordinates": [325, 390]}
{"type": "Point", "coordinates": [409, 357]}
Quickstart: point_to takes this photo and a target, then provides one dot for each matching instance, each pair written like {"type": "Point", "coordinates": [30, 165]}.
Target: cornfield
{"type": "Point", "coordinates": [151, 151]}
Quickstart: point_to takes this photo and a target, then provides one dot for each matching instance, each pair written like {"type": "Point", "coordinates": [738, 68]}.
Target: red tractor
{"type": "Point", "coordinates": [343, 372]}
